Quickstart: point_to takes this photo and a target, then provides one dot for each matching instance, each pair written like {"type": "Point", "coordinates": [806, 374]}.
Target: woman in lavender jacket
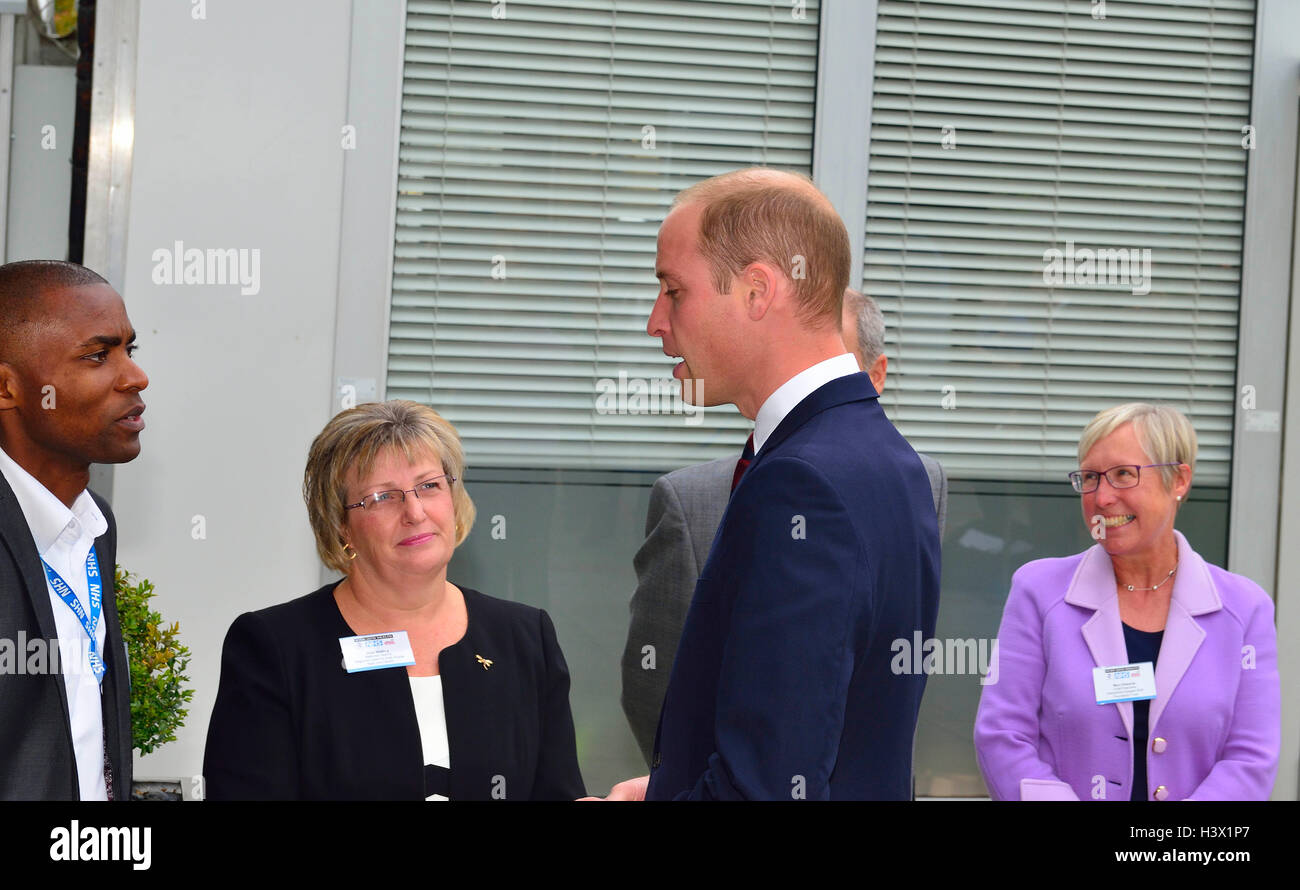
{"type": "Point", "coordinates": [1213, 730]}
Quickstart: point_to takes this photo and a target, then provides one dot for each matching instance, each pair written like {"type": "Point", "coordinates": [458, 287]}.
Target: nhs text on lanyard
{"type": "Point", "coordinates": [91, 623]}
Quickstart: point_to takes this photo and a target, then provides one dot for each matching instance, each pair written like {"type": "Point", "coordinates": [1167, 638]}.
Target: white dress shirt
{"type": "Point", "coordinates": [63, 538]}
{"type": "Point", "coordinates": [431, 717]}
{"type": "Point", "coordinates": [795, 390]}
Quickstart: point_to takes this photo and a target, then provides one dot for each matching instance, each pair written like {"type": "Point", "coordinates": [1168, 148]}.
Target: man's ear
{"type": "Point", "coordinates": [877, 373]}
{"type": "Point", "coordinates": [8, 386]}
{"type": "Point", "coordinates": [760, 283]}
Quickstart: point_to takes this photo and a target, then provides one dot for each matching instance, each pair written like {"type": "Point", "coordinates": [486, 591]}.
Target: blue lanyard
{"type": "Point", "coordinates": [65, 592]}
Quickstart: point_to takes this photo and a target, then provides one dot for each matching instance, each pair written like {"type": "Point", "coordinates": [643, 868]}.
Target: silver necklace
{"type": "Point", "coordinates": [1157, 587]}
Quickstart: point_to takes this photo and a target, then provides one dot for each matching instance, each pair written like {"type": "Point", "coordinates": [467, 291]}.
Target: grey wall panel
{"type": "Point", "coordinates": [40, 152]}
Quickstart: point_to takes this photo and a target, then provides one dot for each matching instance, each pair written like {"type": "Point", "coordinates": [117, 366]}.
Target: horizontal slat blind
{"type": "Point", "coordinates": [1105, 133]}
{"type": "Point", "coordinates": [524, 152]}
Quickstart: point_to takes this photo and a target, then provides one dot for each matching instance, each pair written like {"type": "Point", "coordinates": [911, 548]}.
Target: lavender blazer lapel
{"type": "Point", "coordinates": [1194, 594]}
{"type": "Point", "coordinates": [1093, 587]}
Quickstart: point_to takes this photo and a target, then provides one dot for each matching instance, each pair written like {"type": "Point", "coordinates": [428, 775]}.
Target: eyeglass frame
{"type": "Point", "coordinates": [1100, 473]}
{"type": "Point", "coordinates": [451, 480]}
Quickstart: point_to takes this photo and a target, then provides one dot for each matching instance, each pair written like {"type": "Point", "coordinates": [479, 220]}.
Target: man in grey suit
{"type": "Point", "coordinates": [69, 397]}
{"type": "Point", "coordinates": [686, 507]}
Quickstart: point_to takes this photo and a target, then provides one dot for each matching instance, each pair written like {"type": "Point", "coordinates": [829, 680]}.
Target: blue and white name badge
{"type": "Point", "coordinates": [373, 651]}
{"type": "Point", "coordinates": [1124, 682]}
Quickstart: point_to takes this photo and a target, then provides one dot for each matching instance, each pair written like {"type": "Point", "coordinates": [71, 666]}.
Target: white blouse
{"type": "Point", "coordinates": [432, 720]}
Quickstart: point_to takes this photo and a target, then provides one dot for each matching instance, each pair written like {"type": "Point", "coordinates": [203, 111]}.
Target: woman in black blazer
{"type": "Point", "coordinates": [482, 712]}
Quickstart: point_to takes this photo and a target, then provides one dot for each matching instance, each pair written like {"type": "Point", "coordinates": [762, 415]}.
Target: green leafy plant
{"type": "Point", "coordinates": [158, 664]}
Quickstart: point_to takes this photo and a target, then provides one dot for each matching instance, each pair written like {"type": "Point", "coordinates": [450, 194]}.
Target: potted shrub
{"type": "Point", "coordinates": [159, 683]}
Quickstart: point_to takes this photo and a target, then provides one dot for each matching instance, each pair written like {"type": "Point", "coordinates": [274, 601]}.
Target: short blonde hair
{"type": "Point", "coordinates": [765, 215]}
{"type": "Point", "coordinates": [352, 441]}
{"type": "Point", "coordinates": [1164, 432]}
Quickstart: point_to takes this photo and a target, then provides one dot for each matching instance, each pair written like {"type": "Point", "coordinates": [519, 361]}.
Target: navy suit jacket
{"type": "Point", "coordinates": [828, 552]}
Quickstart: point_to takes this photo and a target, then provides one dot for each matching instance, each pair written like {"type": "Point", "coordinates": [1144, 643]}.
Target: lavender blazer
{"type": "Point", "coordinates": [1214, 726]}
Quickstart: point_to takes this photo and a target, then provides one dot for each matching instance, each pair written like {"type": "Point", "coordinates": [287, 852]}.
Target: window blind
{"type": "Point", "coordinates": [1002, 131]}
{"type": "Point", "coordinates": [539, 152]}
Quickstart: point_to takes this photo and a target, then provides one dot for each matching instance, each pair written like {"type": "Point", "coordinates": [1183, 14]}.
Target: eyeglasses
{"type": "Point", "coordinates": [393, 498]}
{"type": "Point", "coordinates": [1123, 476]}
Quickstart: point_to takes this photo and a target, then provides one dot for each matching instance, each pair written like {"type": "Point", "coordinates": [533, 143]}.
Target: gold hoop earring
{"type": "Point", "coordinates": [351, 554]}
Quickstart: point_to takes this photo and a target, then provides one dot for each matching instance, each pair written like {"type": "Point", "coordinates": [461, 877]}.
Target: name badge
{"type": "Point", "coordinates": [374, 651]}
{"type": "Point", "coordinates": [1124, 682]}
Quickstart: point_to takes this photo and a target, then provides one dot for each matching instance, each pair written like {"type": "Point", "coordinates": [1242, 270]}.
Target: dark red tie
{"type": "Point", "coordinates": [746, 457]}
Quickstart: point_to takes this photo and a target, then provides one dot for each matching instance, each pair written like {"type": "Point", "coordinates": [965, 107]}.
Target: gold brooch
{"type": "Point", "coordinates": [486, 662]}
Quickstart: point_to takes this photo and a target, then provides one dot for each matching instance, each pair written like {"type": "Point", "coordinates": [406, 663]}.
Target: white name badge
{"type": "Point", "coordinates": [374, 651]}
{"type": "Point", "coordinates": [1124, 682]}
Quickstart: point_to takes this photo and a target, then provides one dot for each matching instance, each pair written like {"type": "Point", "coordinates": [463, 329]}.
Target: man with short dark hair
{"type": "Point", "coordinates": [69, 397]}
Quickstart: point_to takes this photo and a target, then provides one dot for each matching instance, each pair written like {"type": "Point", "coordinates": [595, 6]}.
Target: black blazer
{"type": "Point", "coordinates": [36, 755]}
{"type": "Point", "coordinates": [291, 724]}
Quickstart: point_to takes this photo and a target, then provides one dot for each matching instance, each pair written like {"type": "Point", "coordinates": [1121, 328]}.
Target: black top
{"type": "Point", "coordinates": [1143, 645]}
{"type": "Point", "coordinates": [290, 723]}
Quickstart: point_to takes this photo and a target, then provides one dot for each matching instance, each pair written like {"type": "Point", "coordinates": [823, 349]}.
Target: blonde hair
{"type": "Point", "coordinates": [769, 216]}
{"type": "Point", "coordinates": [1164, 433]}
{"type": "Point", "coordinates": [352, 441]}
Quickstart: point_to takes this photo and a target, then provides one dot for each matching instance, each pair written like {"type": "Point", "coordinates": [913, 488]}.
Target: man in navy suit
{"type": "Point", "coordinates": [829, 547]}
{"type": "Point", "coordinates": [686, 508]}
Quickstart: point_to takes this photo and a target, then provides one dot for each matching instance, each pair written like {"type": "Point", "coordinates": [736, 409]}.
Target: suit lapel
{"type": "Point", "coordinates": [460, 711]}
{"type": "Point", "coordinates": [17, 538]}
{"type": "Point", "coordinates": [1093, 587]}
{"type": "Point", "coordinates": [115, 691]}
{"type": "Point", "coordinates": [850, 388]}
{"type": "Point", "coordinates": [1194, 594]}
{"type": "Point", "coordinates": [466, 684]}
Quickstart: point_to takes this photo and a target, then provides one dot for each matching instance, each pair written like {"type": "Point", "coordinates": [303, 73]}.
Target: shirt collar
{"type": "Point", "coordinates": [48, 517]}
{"type": "Point", "coordinates": [795, 390]}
